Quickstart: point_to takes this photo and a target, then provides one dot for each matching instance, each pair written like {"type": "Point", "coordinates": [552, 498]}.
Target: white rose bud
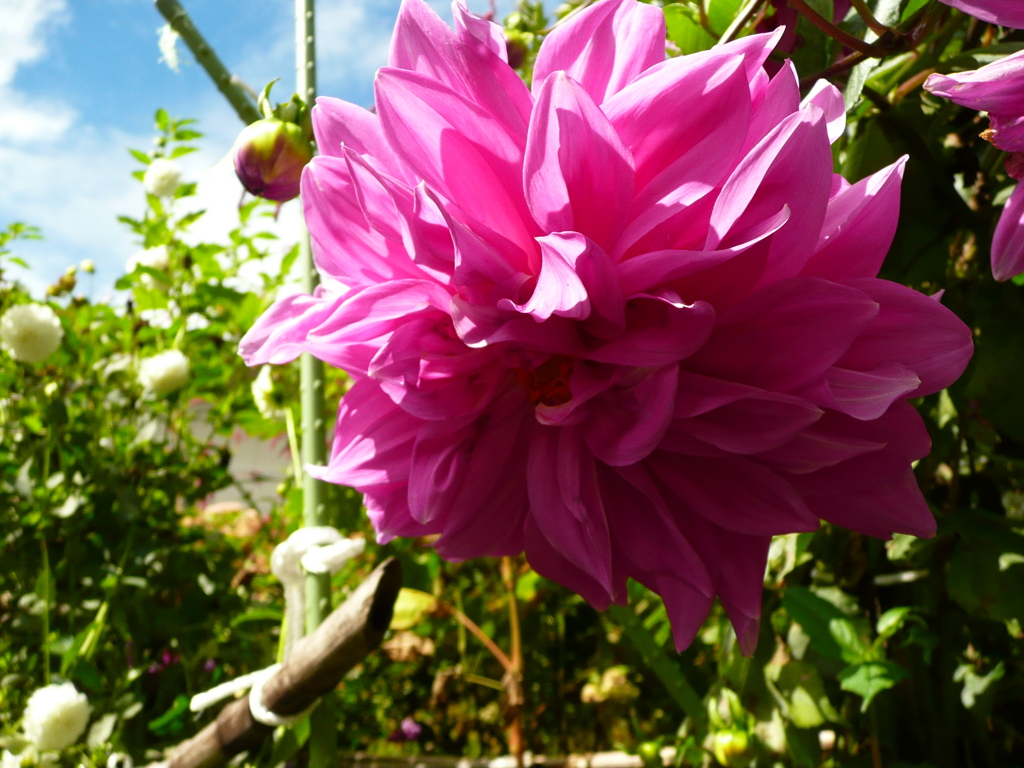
{"type": "Point", "coordinates": [162, 177]}
{"type": "Point", "coordinates": [30, 332]}
{"type": "Point", "coordinates": [164, 373]}
{"type": "Point", "coordinates": [55, 717]}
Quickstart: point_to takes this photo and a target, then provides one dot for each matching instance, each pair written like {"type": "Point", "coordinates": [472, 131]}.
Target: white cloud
{"type": "Point", "coordinates": [23, 119]}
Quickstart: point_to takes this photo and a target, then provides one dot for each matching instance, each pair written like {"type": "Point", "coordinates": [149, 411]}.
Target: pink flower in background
{"type": "Point", "coordinates": [627, 322]}
{"type": "Point", "coordinates": [998, 89]}
{"type": "Point", "coordinates": [1006, 13]}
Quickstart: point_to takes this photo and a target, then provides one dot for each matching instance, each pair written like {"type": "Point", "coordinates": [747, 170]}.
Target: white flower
{"type": "Point", "coordinates": [164, 373]}
{"type": "Point", "coordinates": [55, 716]}
{"type": "Point", "coordinates": [162, 177]}
{"type": "Point", "coordinates": [30, 332]}
{"type": "Point", "coordinates": [10, 760]}
{"type": "Point", "coordinates": [156, 257]}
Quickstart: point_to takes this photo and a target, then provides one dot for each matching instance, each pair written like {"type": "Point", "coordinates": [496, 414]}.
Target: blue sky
{"type": "Point", "coordinates": [81, 79]}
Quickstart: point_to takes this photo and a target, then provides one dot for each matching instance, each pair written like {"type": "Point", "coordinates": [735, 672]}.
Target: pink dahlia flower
{"type": "Point", "coordinates": [998, 89]}
{"type": "Point", "coordinates": [1006, 13]}
{"type": "Point", "coordinates": [627, 322]}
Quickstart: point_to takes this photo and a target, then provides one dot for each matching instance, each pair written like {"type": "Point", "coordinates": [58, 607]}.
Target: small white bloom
{"type": "Point", "coordinates": [88, 266]}
{"type": "Point", "coordinates": [30, 332]}
{"type": "Point", "coordinates": [10, 760]}
{"type": "Point", "coordinates": [156, 257]}
{"type": "Point", "coordinates": [162, 177]}
{"type": "Point", "coordinates": [158, 318]}
{"type": "Point", "coordinates": [168, 47]}
{"type": "Point", "coordinates": [51, 388]}
{"type": "Point", "coordinates": [164, 373]}
{"type": "Point", "coordinates": [55, 716]}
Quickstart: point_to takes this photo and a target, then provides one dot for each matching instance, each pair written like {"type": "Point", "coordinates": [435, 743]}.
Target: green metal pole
{"type": "Point", "coordinates": [323, 738]}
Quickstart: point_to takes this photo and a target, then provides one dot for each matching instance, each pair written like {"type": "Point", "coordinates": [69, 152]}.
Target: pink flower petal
{"type": "Point", "coordinates": [460, 150]}
{"type": "Point", "coordinates": [695, 90]}
{"type": "Point", "coordinates": [866, 395]}
{"type": "Point", "coordinates": [658, 332]}
{"type": "Point", "coordinates": [566, 503]}
{"type": "Point", "coordinates": [471, 67]}
{"type": "Point", "coordinates": [338, 123]}
{"type": "Point", "coordinates": [1007, 13]}
{"type": "Point", "coordinates": [345, 246]}
{"type": "Point", "coordinates": [604, 47]}
{"type": "Point", "coordinates": [914, 331]}
{"type": "Point", "coordinates": [1008, 241]}
{"type": "Point", "coordinates": [578, 175]}
{"type": "Point", "coordinates": [549, 561]}
{"type": "Point", "coordinates": [792, 166]}
{"type": "Point", "coordinates": [736, 418]}
{"type": "Point", "coordinates": [994, 88]}
{"type": "Point", "coordinates": [478, 34]}
{"type": "Point", "coordinates": [830, 100]}
{"type": "Point", "coordinates": [558, 290]}
{"type": "Point", "coordinates": [649, 270]}
{"type": "Point", "coordinates": [736, 494]}
{"type": "Point", "coordinates": [373, 440]}
{"type": "Point", "coordinates": [859, 226]}
{"type": "Point", "coordinates": [775, 338]}
{"type": "Point", "coordinates": [627, 423]}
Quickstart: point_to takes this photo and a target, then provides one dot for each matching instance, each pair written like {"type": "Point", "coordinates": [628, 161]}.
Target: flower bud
{"type": "Point", "coordinates": [88, 267]}
{"type": "Point", "coordinates": [269, 157]}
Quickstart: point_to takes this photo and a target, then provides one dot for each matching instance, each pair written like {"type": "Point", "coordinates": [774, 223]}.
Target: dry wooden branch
{"type": "Point", "coordinates": [316, 665]}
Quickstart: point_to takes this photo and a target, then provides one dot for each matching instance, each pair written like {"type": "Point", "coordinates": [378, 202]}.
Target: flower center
{"type": "Point", "coordinates": [548, 383]}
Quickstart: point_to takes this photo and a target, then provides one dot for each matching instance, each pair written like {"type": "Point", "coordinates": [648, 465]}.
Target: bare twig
{"type": "Point", "coordinates": [478, 633]}
{"type": "Point", "coordinates": [830, 29]}
{"type": "Point", "coordinates": [745, 14]}
{"type": "Point", "coordinates": [316, 665]}
{"type": "Point", "coordinates": [869, 18]}
{"type": "Point", "coordinates": [228, 84]}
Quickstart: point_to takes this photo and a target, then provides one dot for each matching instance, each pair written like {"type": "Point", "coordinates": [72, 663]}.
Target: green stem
{"type": "Point", "coordinates": [231, 86]}
{"type": "Point", "coordinates": [45, 579]}
{"type": "Point", "coordinates": [323, 737]}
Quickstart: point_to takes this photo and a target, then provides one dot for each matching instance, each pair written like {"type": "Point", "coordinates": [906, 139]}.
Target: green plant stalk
{"type": "Point", "coordinates": [323, 736]}
{"type": "Point", "coordinates": [228, 84]}
{"type": "Point", "coordinates": [46, 612]}
{"type": "Point", "coordinates": [661, 665]}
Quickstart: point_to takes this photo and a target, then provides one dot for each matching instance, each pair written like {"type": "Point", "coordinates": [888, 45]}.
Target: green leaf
{"type": "Point", "coordinates": [722, 12]}
{"type": "Point", "coordinates": [163, 122]}
{"type": "Point", "coordinates": [256, 614]}
{"type": "Point", "coordinates": [803, 693]}
{"type": "Point", "coordinates": [166, 721]}
{"type": "Point", "coordinates": [890, 622]}
{"type": "Point", "coordinates": [870, 679]}
{"type": "Point", "coordinates": [685, 31]}
{"type": "Point", "coordinates": [142, 157]}
{"type": "Point", "coordinates": [853, 647]}
{"type": "Point", "coordinates": [179, 151]}
{"type": "Point", "coordinates": [814, 614]}
{"type": "Point", "coordinates": [411, 607]}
